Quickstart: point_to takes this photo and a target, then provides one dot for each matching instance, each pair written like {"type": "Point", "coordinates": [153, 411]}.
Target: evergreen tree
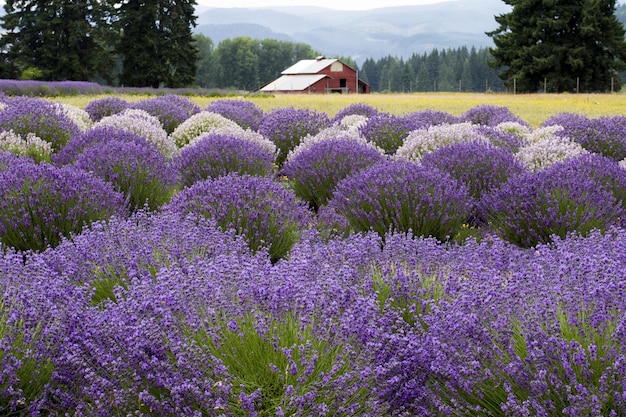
{"type": "Point", "coordinates": [157, 46]}
{"type": "Point", "coordinates": [573, 46]}
{"type": "Point", "coordinates": [57, 39]}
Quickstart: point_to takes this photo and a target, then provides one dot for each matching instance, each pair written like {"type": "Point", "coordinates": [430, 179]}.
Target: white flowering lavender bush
{"type": "Point", "coordinates": [201, 123]}
{"type": "Point", "coordinates": [422, 141]}
{"type": "Point", "coordinates": [30, 145]}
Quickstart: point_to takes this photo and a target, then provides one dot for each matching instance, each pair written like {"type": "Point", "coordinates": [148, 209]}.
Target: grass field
{"type": "Point", "coordinates": [533, 108]}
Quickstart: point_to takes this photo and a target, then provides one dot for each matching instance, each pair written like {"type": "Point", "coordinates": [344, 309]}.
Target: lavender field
{"type": "Point", "coordinates": [163, 259]}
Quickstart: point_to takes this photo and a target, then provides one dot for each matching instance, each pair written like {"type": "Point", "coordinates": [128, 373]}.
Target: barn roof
{"type": "Point", "coordinates": [293, 82]}
{"type": "Point", "coordinates": [309, 66]}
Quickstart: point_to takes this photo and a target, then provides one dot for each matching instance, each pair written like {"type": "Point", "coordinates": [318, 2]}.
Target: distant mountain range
{"type": "Point", "coordinates": [396, 31]}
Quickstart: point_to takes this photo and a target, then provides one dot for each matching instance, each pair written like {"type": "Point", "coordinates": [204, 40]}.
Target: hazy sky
{"type": "Point", "coordinates": [332, 4]}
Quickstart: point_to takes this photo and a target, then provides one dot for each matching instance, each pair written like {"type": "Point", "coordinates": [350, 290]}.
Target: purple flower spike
{"type": "Point", "coordinates": [403, 197]}
{"type": "Point", "coordinates": [260, 209]}
{"type": "Point", "coordinates": [287, 126]}
{"type": "Point", "coordinates": [316, 170]}
{"type": "Point", "coordinates": [41, 204]}
{"type": "Point", "coordinates": [216, 155]}
{"type": "Point", "coordinates": [245, 113]}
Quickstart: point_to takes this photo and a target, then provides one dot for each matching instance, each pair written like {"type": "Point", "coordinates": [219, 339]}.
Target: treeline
{"type": "Point", "coordinates": [459, 69]}
{"type": "Point", "coordinates": [244, 63]}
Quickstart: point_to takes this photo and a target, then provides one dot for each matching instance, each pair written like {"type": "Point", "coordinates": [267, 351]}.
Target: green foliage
{"type": "Point", "coordinates": [560, 46]}
{"type": "Point", "coordinates": [277, 360]}
{"type": "Point", "coordinates": [156, 45]}
{"type": "Point", "coordinates": [18, 351]}
{"type": "Point", "coordinates": [58, 40]}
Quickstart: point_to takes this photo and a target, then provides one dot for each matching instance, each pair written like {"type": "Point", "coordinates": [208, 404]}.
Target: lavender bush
{"type": "Point", "coordinates": [39, 117]}
{"type": "Point", "coordinates": [200, 124]}
{"type": "Point", "coordinates": [243, 112]}
{"type": "Point", "coordinates": [424, 119]}
{"type": "Point", "coordinates": [606, 136]}
{"type": "Point", "coordinates": [42, 203]}
{"type": "Point", "coordinates": [269, 216]}
{"type": "Point", "coordinates": [422, 141]}
{"type": "Point", "coordinates": [404, 197]}
{"type": "Point", "coordinates": [574, 196]}
{"type": "Point", "coordinates": [481, 166]}
{"type": "Point", "coordinates": [30, 146]}
{"type": "Point", "coordinates": [95, 137]}
{"type": "Point", "coordinates": [170, 109]}
{"type": "Point", "coordinates": [315, 171]}
{"type": "Point", "coordinates": [216, 155]}
{"type": "Point", "coordinates": [143, 124]}
{"type": "Point", "coordinates": [100, 108]}
{"type": "Point", "coordinates": [138, 170]}
{"type": "Point", "coordinates": [490, 115]}
{"type": "Point", "coordinates": [360, 109]}
{"type": "Point", "coordinates": [387, 131]}
{"type": "Point", "coordinates": [287, 126]}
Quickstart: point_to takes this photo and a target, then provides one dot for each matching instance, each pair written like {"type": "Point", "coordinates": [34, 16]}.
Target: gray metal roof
{"type": "Point", "coordinates": [298, 82]}
{"type": "Point", "coordinates": [309, 66]}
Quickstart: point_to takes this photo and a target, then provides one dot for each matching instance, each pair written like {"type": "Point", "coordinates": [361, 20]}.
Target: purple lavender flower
{"type": "Point", "coordinates": [42, 203]}
{"type": "Point", "coordinates": [136, 169]}
{"type": "Point", "coordinates": [216, 155]}
{"type": "Point", "coordinates": [315, 172]}
{"type": "Point", "coordinates": [604, 135]}
{"type": "Point", "coordinates": [39, 117]}
{"type": "Point", "coordinates": [243, 112]}
{"type": "Point", "coordinates": [490, 115]}
{"type": "Point", "coordinates": [482, 167]}
{"type": "Point", "coordinates": [98, 137]}
{"type": "Point", "coordinates": [170, 109]}
{"type": "Point", "coordinates": [361, 109]}
{"type": "Point", "coordinates": [269, 216]}
{"type": "Point", "coordinates": [107, 106]}
{"type": "Point", "coordinates": [287, 126]}
{"type": "Point", "coordinates": [404, 197]}
{"type": "Point", "coordinates": [387, 131]}
{"type": "Point", "coordinates": [426, 118]}
{"type": "Point", "coordinates": [574, 196]}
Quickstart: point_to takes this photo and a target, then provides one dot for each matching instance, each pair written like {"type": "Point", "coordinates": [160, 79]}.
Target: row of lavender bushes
{"type": "Point", "coordinates": [162, 259]}
{"type": "Point", "coordinates": [36, 88]}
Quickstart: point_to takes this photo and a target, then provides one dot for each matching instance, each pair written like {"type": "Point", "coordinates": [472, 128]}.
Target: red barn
{"type": "Point", "coordinates": [318, 76]}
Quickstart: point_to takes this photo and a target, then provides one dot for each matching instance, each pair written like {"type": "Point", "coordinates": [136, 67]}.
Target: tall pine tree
{"type": "Point", "coordinates": [157, 46]}
{"type": "Point", "coordinates": [57, 39]}
{"type": "Point", "coordinates": [562, 46]}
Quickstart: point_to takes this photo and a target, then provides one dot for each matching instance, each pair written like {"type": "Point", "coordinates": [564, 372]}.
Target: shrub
{"type": "Point", "coordinates": [243, 112]}
{"type": "Point", "coordinates": [405, 197]}
{"type": "Point", "coordinates": [96, 136]}
{"type": "Point", "coordinates": [41, 203]}
{"type": "Point", "coordinates": [143, 124]}
{"type": "Point", "coordinates": [267, 215]}
{"type": "Point", "coordinates": [387, 131]}
{"type": "Point", "coordinates": [422, 141]}
{"type": "Point", "coordinates": [287, 126]}
{"type": "Point", "coordinates": [545, 149]}
{"type": "Point", "coordinates": [481, 166]}
{"type": "Point", "coordinates": [216, 155]}
{"type": "Point", "coordinates": [136, 169]}
{"type": "Point", "coordinates": [100, 108]}
{"type": "Point", "coordinates": [354, 109]}
{"type": "Point", "coordinates": [315, 171]}
{"type": "Point", "coordinates": [170, 109]}
{"type": "Point", "coordinates": [490, 115]}
{"type": "Point", "coordinates": [605, 136]}
{"type": "Point", "coordinates": [574, 196]}
{"type": "Point", "coordinates": [200, 124]}
{"type": "Point", "coordinates": [31, 146]}
{"type": "Point", "coordinates": [426, 118]}
{"type": "Point", "coordinates": [38, 117]}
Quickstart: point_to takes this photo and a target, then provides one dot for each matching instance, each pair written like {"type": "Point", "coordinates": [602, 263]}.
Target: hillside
{"type": "Point", "coordinates": [396, 31]}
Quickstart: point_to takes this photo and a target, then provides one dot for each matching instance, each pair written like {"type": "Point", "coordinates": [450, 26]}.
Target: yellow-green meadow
{"type": "Point", "coordinates": [533, 108]}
